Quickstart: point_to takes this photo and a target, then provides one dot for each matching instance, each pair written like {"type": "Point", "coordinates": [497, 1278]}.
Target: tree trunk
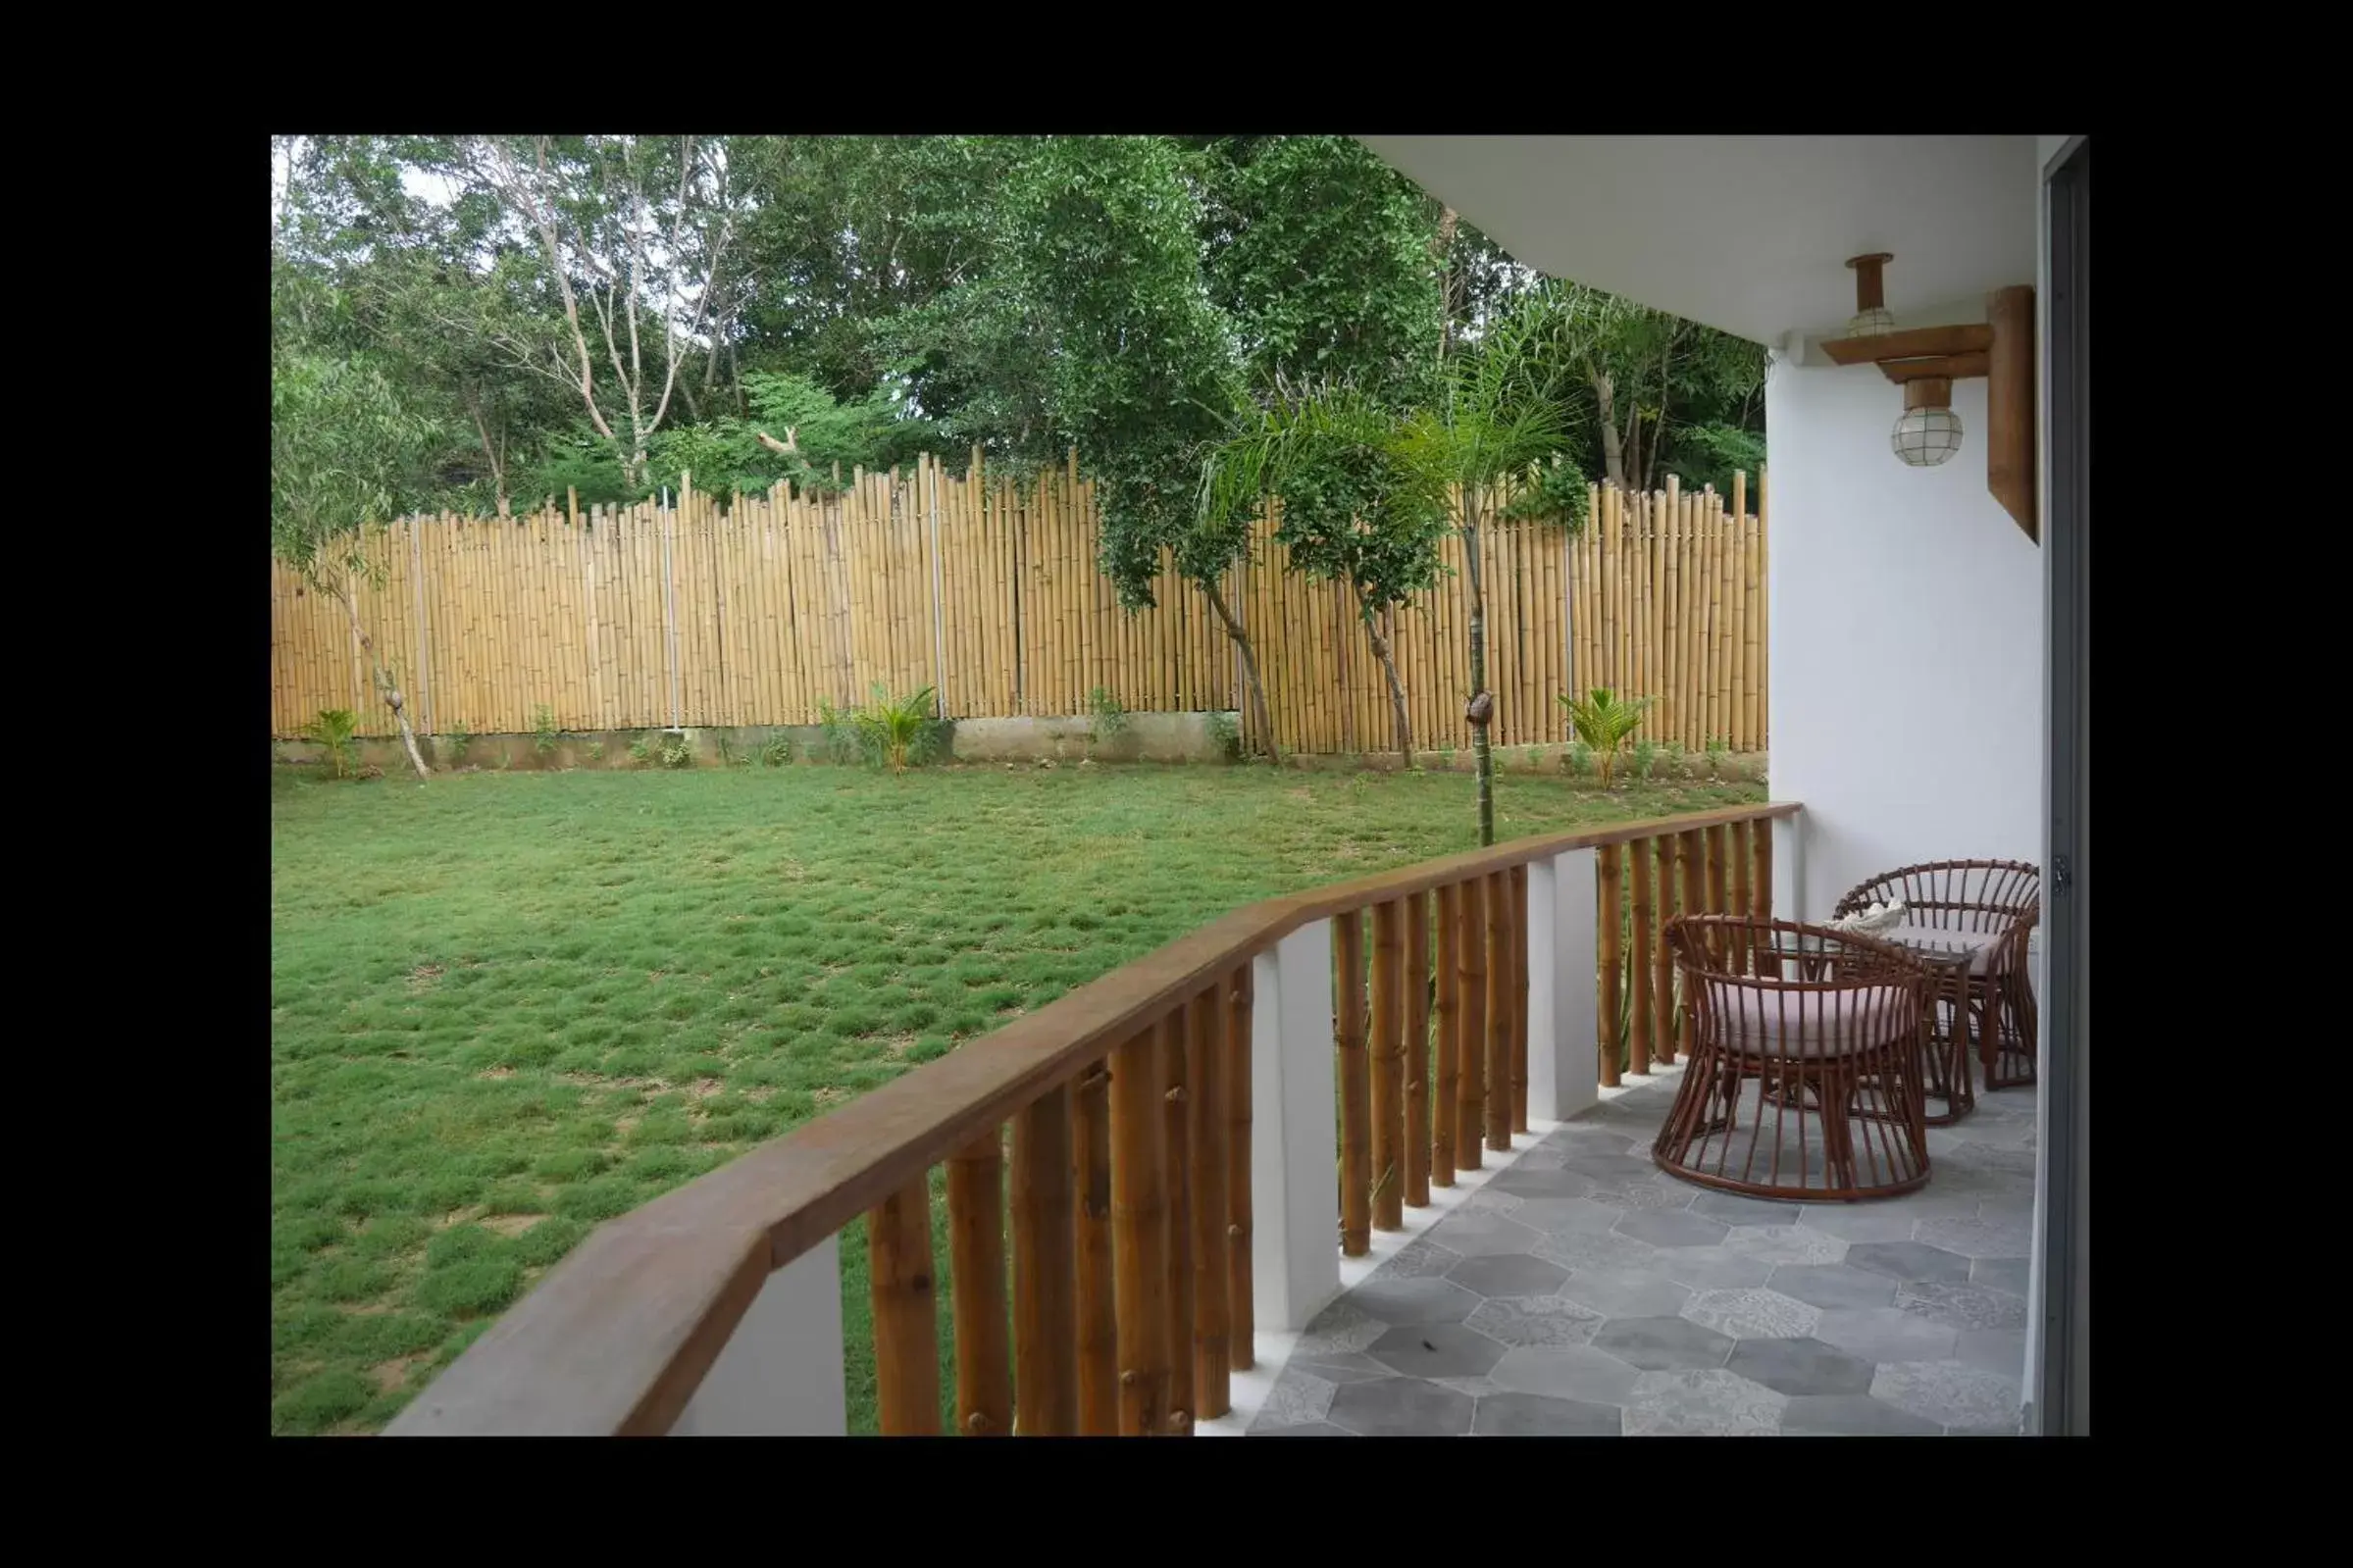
{"type": "Point", "coordinates": [1444, 248]}
{"type": "Point", "coordinates": [1250, 666]}
{"type": "Point", "coordinates": [384, 681]}
{"type": "Point", "coordinates": [1614, 457]}
{"type": "Point", "coordinates": [1396, 689]}
{"type": "Point", "coordinates": [1482, 712]}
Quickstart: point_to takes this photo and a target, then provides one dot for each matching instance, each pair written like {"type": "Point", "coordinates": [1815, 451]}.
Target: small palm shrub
{"type": "Point", "coordinates": [337, 729]}
{"type": "Point", "coordinates": [1605, 721]}
{"type": "Point", "coordinates": [893, 733]}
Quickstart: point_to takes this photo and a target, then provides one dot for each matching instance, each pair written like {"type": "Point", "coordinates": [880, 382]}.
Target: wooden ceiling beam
{"type": "Point", "coordinates": [1952, 367]}
{"type": "Point", "coordinates": [1920, 343]}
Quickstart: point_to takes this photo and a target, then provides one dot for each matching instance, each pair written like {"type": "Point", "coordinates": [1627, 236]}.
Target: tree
{"type": "Point", "coordinates": [1642, 366]}
{"type": "Point", "coordinates": [345, 451]}
{"type": "Point", "coordinates": [1496, 415]}
{"type": "Point", "coordinates": [1360, 505]}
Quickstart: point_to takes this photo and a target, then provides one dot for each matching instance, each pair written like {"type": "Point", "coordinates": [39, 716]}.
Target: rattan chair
{"type": "Point", "coordinates": [1804, 1077]}
{"type": "Point", "coordinates": [1991, 907]}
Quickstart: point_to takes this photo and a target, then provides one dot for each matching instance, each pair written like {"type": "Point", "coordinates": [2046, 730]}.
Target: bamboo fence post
{"type": "Point", "coordinates": [1099, 1366]}
{"type": "Point", "coordinates": [1417, 1050]}
{"type": "Point", "coordinates": [1471, 950]}
{"type": "Point", "coordinates": [1177, 1283]}
{"type": "Point", "coordinates": [1241, 1309]}
{"type": "Point", "coordinates": [1140, 1235]}
{"type": "Point", "coordinates": [1355, 1090]}
{"type": "Point", "coordinates": [1498, 1011]}
{"type": "Point", "coordinates": [1662, 1001]}
{"type": "Point", "coordinates": [1608, 891]}
{"type": "Point", "coordinates": [1638, 866]}
{"type": "Point", "coordinates": [906, 1332]}
{"type": "Point", "coordinates": [1045, 1399]}
{"type": "Point", "coordinates": [1444, 1114]}
{"type": "Point", "coordinates": [976, 1271]}
{"type": "Point", "coordinates": [1388, 1065]}
{"type": "Point", "coordinates": [1205, 1058]}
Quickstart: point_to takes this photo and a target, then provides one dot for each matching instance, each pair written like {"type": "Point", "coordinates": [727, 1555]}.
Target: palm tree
{"type": "Point", "coordinates": [1496, 415]}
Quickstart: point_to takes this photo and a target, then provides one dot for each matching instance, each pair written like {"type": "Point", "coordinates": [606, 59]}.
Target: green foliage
{"type": "Point", "coordinates": [1108, 720]}
{"type": "Point", "coordinates": [1555, 495]}
{"type": "Point", "coordinates": [544, 736]}
{"type": "Point", "coordinates": [1225, 730]}
{"type": "Point", "coordinates": [1605, 721]}
{"type": "Point", "coordinates": [453, 744]}
{"type": "Point", "coordinates": [1646, 759]}
{"type": "Point", "coordinates": [676, 752]}
{"type": "Point", "coordinates": [1577, 759]}
{"type": "Point", "coordinates": [893, 733]}
{"type": "Point", "coordinates": [777, 753]}
{"type": "Point", "coordinates": [1712, 454]}
{"type": "Point", "coordinates": [1719, 755]}
{"type": "Point", "coordinates": [640, 751]}
{"type": "Point", "coordinates": [337, 729]}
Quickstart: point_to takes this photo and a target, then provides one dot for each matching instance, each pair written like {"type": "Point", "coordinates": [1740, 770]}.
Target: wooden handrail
{"type": "Point", "coordinates": [618, 1337]}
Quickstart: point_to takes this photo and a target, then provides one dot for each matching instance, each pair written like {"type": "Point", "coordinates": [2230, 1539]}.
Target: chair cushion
{"type": "Point", "coordinates": [1979, 943]}
{"type": "Point", "coordinates": [1785, 1021]}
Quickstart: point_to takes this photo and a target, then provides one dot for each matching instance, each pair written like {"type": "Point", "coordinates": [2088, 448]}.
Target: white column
{"type": "Point", "coordinates": [1789, 868]}
{"type": "Point", "coordinates": [781, 1375]}
{"type": "Point", "coordinates": [1294, 1197]}
{"type": "Point", "coordinates": [1564, 976]}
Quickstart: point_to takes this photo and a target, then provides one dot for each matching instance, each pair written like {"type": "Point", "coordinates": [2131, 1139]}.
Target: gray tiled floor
{"type": "Point", "coordinates": [1585, 1292]}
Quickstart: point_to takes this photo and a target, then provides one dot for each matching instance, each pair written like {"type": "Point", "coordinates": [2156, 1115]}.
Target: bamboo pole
{"type": "Point", "coordinates": [1205, 1058]}
{"type": "Point", "coordinates": [1662, 1000]}
{"type": "Point", "coordinates": [1470, 951]}
{"type": "Point", "coordinates": [1141, 1235]}
{"type": "Point", "coordinates": [906, 1334]}
{"type": "Point", "coordinates": [1387, 1050]}
{"type": "Point", "coordinates": [1638, 866]}
{"type": "Point", "coordinates": [1100, 1401]}
{"type": "Point", "coordinates": [1517, 889]}
{"type": "Point", "coordinates": [976, 1267]}
{"type": "Point", "coordinates": [1612, 955]}
{"type": "Point", "coordinates": [1445, 1115]}
{"type": "Point", "coordinates": [1176, 1279]}
{"type": "Point", "coordinates": [1761, 871]}
{"type": "Point", "coordinates": [1355, 1090]}
{"type": "Point", "coordinates": [1742, 835]}
{"type": "Point", "coordinates": [1498, 1099]}
{"type": "Point", "coordinates": [1044, 1270]}
{"type": "Point", "coordinates": [1417, 1050]}
{"type": "Point", "coordinates": [1241, 1309]}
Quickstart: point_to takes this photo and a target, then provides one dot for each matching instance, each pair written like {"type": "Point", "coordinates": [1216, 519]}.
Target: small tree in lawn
{"type": "Point", "coordinates": [1606, 722]}
{"type": "Point", "coordinates": [345, 451]}
{"type": "Point", "coordinates": [1495, 416]}
{"type": "Point", "coordinates": [1360, 505]}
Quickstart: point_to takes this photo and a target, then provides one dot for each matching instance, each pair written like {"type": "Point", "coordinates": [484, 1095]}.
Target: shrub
{"type": "Point", "coordinates": [544, 736]}
{"type": "Point", "coordinates": [1109, 720]}
{"type": "Point", "coordinates": [777, 753]}
{"type": "Point", "coordinates": [894, 732]}
{"type": "Point", "coordinates": [1226, 731]}
{"type": "Point", "coordinates": [1605, 721]}
{"type": "Point", "coordinates": [337, 729]}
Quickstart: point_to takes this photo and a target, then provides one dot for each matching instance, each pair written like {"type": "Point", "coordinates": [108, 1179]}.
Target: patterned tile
{"type": "Point", "coordinates": [1710, 1268]}
{"type": "Point", "coordinates": [1579, 1250]}
{"type": "Point", "coordinates": [1419, 1258]}
{"type": "Point", "coordinates": [1657, 1345]}
{"type": "Point", "coordinates": [1883, 1333]}
{"type": "Point", "coordinates": [1708, 1402]}
{"type": "Point", "coordinates": [1508, 1274]}
{"type": "Point", "coordinates": [1534, 1320]}
{"type": "Point", "coordinates": [1834, 1284]}
{"type": "Point", "coordinates": [1850, 1415]}
{"type": "Point", "coordinates": [1295, 1398]}
{"type": "Point", "coordinates": [1530, 1415]}
{"type": "Point", "coordinates": [1979, 1238]}
{"type": "Point", "coordinates": [1671, 1228]}
{"type": "Point", "coordinates": [1339, 1330]}
{"type": "Point", "coordinates": [1644, 1193]}
{"type": "Point", "coordinates": [1913, 1262]}
{"type": "Point", "coordinates": [1785, 1243]}
{"type": "Point", "coordinates": [1964, 1307]}
{"type": "Point", "coordinates": [1341, 1368]}
{"type": "Point", "coordinates": [1436, 1350]}
{"type": "Point", "coordinates": [1738, 1208]}
{"type": "Point", "coordinates": [1402, 1407]}
{"type": "Point", "coordinates": [1997, 1350]}
{"type": "Point", "coordinates": [1800, 1366]}
{"type": "Point", "coordinates": [1751, 1314]}
{"type": "Point", "coordinates": [1625, 1292]}
{"type": "Point", "coordinates": [1948, 1393]}
{"type": "Point", "coordinates": [1566, 1372]}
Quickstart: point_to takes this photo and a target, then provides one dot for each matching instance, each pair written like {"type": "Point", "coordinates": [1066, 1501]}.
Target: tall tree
{"type": "Point", "coordinates": [1651, 376]}
{"type": "Point", "coordinates": [1496, 415]}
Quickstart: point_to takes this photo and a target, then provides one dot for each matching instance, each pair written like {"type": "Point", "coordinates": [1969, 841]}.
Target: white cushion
{"type": "Point", "coordinates": [1778, 1021]}
{"type": "Point", "coordinates": [1979, 944]}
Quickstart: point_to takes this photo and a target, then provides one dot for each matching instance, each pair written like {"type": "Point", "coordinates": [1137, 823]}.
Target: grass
{"type": "Point", "coordinates": [508, 1006]}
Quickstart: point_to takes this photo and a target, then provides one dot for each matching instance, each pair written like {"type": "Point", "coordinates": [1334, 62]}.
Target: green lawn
{"type": "Point", "coordinates": [506, 1006]}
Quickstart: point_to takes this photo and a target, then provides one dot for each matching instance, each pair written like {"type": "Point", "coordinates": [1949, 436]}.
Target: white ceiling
{"type": "Point", "coordinates": [1746, 233]}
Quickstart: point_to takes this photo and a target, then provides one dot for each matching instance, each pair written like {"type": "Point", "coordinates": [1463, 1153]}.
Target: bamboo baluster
{"type": "Point", "coordinates": [1417, 1050]}
{"type": "Point", "coordinates": [1445, 1116]}
{"type": "Point", "coordinates": [976, 1271]}
{"type": "Point", "coordinates": [1498, 1037]}
{"type": "Point", "coordinates": [1388, 1065]}
{"type": "Point", "coordinates": [1471, 950]}
{"type": "Point", "coordinates": [1356, 1089]}
{"type": "Point", "coordinates": [1742, 835]}
{"type": "Point", "coordinates": [1716, 870]}
{"type": "Point", "coordinates": [1046, 1401]}
{"type": "Point", "coordinates": [1691, 855]}
{"type": "Point", "coordinates": [1205, 1059]}
{"type": "Point", "coordinates": [1176, 1279]}
{"type": "Point", "coordinates": [907, 1331]}
{"type": "Point", "coordinates": [1098, 1365]}
{"type": "Point", "coordinates": [1140, 1235]}
{"type": "Point", "coordinates": [1611, 946]}
{"type": "Point", "coordinates": [1241, 1311]}
{"type": "Point", "coordinates": [1638, 866]}
{"type": "Point", "coordinates": [1761, 871]}
{"type": "Point", "coordinates": [1662, 1001]}
{"type": "Point", "coordinates": [1517, 889]}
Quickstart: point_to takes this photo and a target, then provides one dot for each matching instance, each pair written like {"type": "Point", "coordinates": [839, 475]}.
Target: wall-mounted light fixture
{"type": "Point", "coordinates": [1926, 361]}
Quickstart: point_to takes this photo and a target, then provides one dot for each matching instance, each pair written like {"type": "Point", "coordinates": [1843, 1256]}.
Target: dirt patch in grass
{"type": "Point", "coordinates": [510, 1226]}
{"type": "Point", "coordinates": [391, 1376]}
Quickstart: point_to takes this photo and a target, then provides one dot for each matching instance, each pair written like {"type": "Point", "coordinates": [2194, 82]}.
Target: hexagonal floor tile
{"type": "Point", "coordinates": [1754, 1313]}
{"type": "Point", "coordinates": [1475, 1235]}
{"type": "Point", "coordinates": [1860, 1222]}
{"type": "Point", "coordinates": [1508, 1274]}
{"type": "Point", "coordinates": [1846, 1415]}
{"type": "Point", "coordinates": [1962, 1306]}
{"type": "Point", "coordinates": [1419, 1258]}
{"type": "Point", "coordinates": [1644, 1193]}
{"type": "Point", "coordinates": [1296, 1397]}
{"type": "Point", "coordinates": [1339, 1330]}
{"type": "Point", "coordinates": [1413, 1300]}
{"type": "Point", "coordinates": [1340, 1368]}
{"type": "Point", "coordinates": [1833, 1284]}
{"type": "Point", "coordinates": [1704, 1402]}
{"type": "Point", "coordinates": [1909, 1261]}
{"type": "Point", "coordinates": [1524, 1180]}
{"type": "Point", "coordinates": [1625, 1292]}
{"type": "Point", "coordinates": [1567, 1372]}
{"type": "Point", "coordinates": [1738, 1208]}
{"type": "Point", "coordinates": [1664, 1228]}
{"type": "Point", "coordinates": [1883, 1333]}
{"type": "Point", "coordinates": [1556, 1216]}
{"type": "Point", "coordinates": [1402, 1407]}
{"type": "Point", "coordinates": [1531, 1415]}
{"type": "Point", "coordinates": [1948, 1393]}
{"type": "Point", "coordinates": [1487, 1200]}
{"type": "Point", "coordinates": [1436, 1350]}
{"type": "Point", "coordinates": [1657, 1345]}
{"type": "Point", "coordinates": [1607, 1170]}
{"type": "Point", "coordinates": [1800, 1366]}
{"type": "Point", "coordinates": [1534, 1320]}
{"type": "Point", "coordinates": [1785, 1243]}
{"type": "Point", "coordinates": [1579, 1250]}
{"type": "Point", "coordinates": [1979, 1238]}
{"type": "Point", "coordinates": [1313, 1429]}
{"type": "Point", "coordinates": [1997, 1350]}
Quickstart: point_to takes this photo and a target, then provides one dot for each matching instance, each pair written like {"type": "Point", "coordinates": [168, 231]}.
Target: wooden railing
{"type": "Point", "coordinates": [1171, 1154]}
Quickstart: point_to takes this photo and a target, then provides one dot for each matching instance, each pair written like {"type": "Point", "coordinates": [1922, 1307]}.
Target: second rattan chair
{"type": "Point", "coordinates": [1990, 906]}
{"type": "Point", "coordinates": [1804, 1077]}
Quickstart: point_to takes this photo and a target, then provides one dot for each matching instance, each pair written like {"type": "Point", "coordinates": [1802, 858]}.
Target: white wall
{"type": "Point", "coordinates": [1906, 638]}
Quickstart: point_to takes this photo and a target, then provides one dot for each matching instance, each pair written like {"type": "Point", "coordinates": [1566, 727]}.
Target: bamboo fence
{"type": "Point", "coordinates": [683, 612]}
